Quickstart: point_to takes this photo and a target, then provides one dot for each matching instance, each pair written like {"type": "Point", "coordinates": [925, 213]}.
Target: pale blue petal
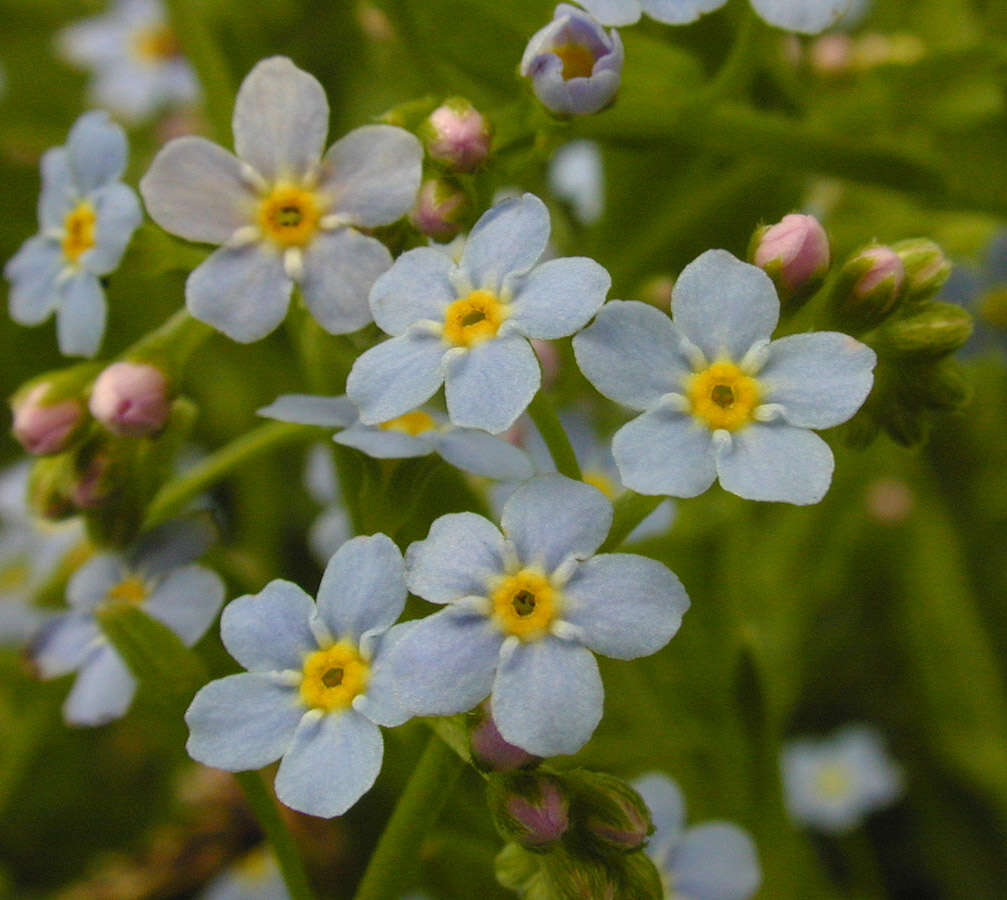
{"type": "Point", "coordinates": [632, 354]}
{"type": "Point", "coordinates": [19, 623]}
{"type": "Point", "coordinates": [414, 289]}
{"type": "Point", "coordinates": [724, 305]}
{"type": "Point", "coordinates": [90, 584]}
{"type": "Point", "coordinates": [280, 120]}
{"type": "Point", "coordinates": [58, 195]}
{"type": "Point", "coordinates": [241, 291]}
{"type": "Point", "coordinates": [363, 588]}
{"type": "Point", "coordinates": [548, 697]}
{"type": "Point", "coordinates": [373, 174]}
{"type": "Point", "coordinates": [310, 409]}
{"type": "Point", "coordinates": [340, 267]}
{"type": "Point", "coordinates": [187, 601]}
{"type": "Point", "coordinates": [656, 524]}
{"type": "Point", "coordinates": [666, 803]}
{"type": "Point", "coordinates": [625, 605]}
{"type": "Point", "coordinates": [385, 443]}
{"type": "Point", "coordinates": [242, 722]}
{"type": "Point", "coordinates": [382, 703]}
{"type": "Point", "coordinates": [481, 453]}
{"type": "Point", "coordinates": [806, 16]}
{"type": "Point", "coordinates": [320, 477]}
{"type": "Point", "coordinates": [328, 532]}
{"type": "Point", "coordinates": [508, 238]}
{"type": "Point", "coordinates": [716, 861]}
{"type": "Point", "coordinates": [102, 691]}
{"type": "Point", "coordinates": [445, 663]}
{"type": "Point", "coordinates": [269, 631]}
{"type": "Point", "coordinates": [492, 384]}
{"type": "Point", "coordinates": [552, 517]}
{"type": "Point", "coordinates": [665, 452]}
{"type": "Point", "coordinates": [80, 319]}
{"type": "Point", "coordinates": [174, 544]}
{"type": "Point", "coordinates": [117, 209]}
{"type": "Point", "coordinates": [820, 379]}
{"type": "Point", "coordinates": [862, 749]}
{"type": "Point", "coordinates": [613, 12]}
{"type": "Point", "coordinates": [396, 376]}
{"type": "Point", "coordinates": [32, 271]}
{"type": "Point", "coordinates": [96, 151]}
{"type": "Point", "coordinates": [776, 462]}
{"type": "Point", "coordinates": [558, 297]}
{"type": "Point", "coordinates": [679, 12]}
{"type": "Point", "coordinates": [462, 552]}
{"type": "Point", "coordinates": [577, 176]}
{"type": "Point", "coordinates": [64, 643]}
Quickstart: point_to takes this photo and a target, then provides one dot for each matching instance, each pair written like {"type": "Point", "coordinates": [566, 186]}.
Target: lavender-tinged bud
{"type": "Point", "coordinates": [43, 427]}
{"type": "Point", "coordinates": [531, 809]}
{"type": "Point", "coordinates": [457, 135]}
{"type": "Point", "coordinates": [439, 210]}
{"type": "Point", "coordinates": [491, 753]}
{"type": "Point", "coordinates": [926, 268]}
{"type": "Point", "coordinates": [131, 399]}
{"type": "Point", "coordinates": [612, 813]}
{"type": "Point", "coordinates": [575, 65]}
{"type": "Point", "coordinates": [794, 253]}
{"type": "Point", "coordinates": [868, 288]}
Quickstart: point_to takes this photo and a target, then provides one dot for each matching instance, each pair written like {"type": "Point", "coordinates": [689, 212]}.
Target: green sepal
{"type": "Point", "coordinates": [932, 331]}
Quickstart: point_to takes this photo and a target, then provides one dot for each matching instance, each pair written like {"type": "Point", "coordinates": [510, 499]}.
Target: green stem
{"type": "Point", "coordinates": [543, 414]}
{"type": "Point", "coordinates": [174, 495]}
{"type": "Point", "coordinates": [172, 343]}
{"type": "Point", "coordinates": [734, 76]}
{"type": "Point", "coordinates": [284, 847]}
{"type": "Point", "coordinates": [631, 509]}
{"type": "Point", "coordinates": [391, 864]}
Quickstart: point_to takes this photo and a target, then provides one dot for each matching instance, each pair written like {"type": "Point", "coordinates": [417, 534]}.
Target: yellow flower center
{"type": "Point", "coordinates": [288, 215]}
{"type": "Point", "coordinates": [601, 481]}
{"type": "Point", "coordinates": [723, 396]}
{"type": "Point", "coordinates": [833, 781]}
{"type": "Point", "coordinates": [414, 423]}
{"type": "Point", "coordinates": [473, 319]}
{"type": "Point", "coordinates": [333, 677]}
{"type": "Point", "coordinates": [578, 60]}
{"type": "Point", "coordinates": [78, 231]}
{"type": "Point", "coordinates": [128, 592]}
{"type": "Point", "coordinates": [155, 44]}
{"type": "Point", "coordinates": [525, 604]}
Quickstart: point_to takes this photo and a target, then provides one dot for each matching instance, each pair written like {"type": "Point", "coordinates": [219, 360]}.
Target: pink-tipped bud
{"type": "Point", "coordinates": [885, 272]}
{"type": "Point", "coordinates": [131, 399]}
{"type": "Point", "coordinates": [491, 753]}
{"type": "Point", "coordinates": [613, 813]}
{"type": "Point", "coordinates": [440, 207]}
{"type": "Point", "coordinates": [457, 135]}
{"type": "Point", "coordinates": [529, 808]}
{"type": "Point", "coordinates": [794, 253]}
{"type": "Point", "coordinates": [43, 428]}
{"type": "Point", "coordinates": [869, 286]}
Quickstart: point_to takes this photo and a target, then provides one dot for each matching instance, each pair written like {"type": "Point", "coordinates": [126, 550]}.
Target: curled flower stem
{"type": "Point", "coordinates": [284, 847]}
{"type": "Point", "coordinates": [543, 414]}
{"type": "Point", "coordinates": [417, 810]}
{"type": "Point", "coordinates": [631, 509]}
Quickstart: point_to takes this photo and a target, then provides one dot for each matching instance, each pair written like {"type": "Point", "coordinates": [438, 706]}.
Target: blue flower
{"type": "Point", "coordinates": [415, 433]}
{"type": "Point", "coordinates": [808, 16]}
{"type": "Point", "coordinates": [523, 609]}
{"type": "Point", "coordinates": [575, 66]}
{"type": "Point", "coordinates": [832, 783]}
{"type": "Point", "coordinates": [87, 217]}
{"type": "Point", "coordinates": [282, 211]}
{"type": "Point", "coordinates": [317, 686]}
{"type": "Point", "coordinates": [153, 576]}
{"type": "Point", "coordinates": [712, 861]}
{"type": "Point", "coordinates": [466, 325]}
{"type": "Point", "coordinates": [718, 398]}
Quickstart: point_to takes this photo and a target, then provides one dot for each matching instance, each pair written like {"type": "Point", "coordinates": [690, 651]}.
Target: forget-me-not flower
{"type": "Point", "coordinates": [134, 55]}
{"type": "Point", "coordinates": [807, 16]}
{"type": "Point", "coordinates": [157, 576]}
{"type": "Point", "coordinates": [575, 66]}
{"type": "Point", "coordinates": [467, 324]}
{"type": "Point", "coordinates": [712, 861]}
{"type": "Point", "coordinates": [832, 783]}
{"type": "Point", "coordinates": [317, 686]}
{"type": "Point", "coordinates": [86, 217]}
{"type": "Point", "coordinates": [282, 212]}
{"type": "Point", "coordinates": [418, 432]}
{"type": "Point", "coordinates": [718, 398]}
{"type": "Point", "coordinates": [524, 607]}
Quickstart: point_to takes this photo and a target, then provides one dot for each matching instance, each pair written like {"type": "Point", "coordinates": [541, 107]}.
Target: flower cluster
{"type": "Point", "coordinates": [808, 16]}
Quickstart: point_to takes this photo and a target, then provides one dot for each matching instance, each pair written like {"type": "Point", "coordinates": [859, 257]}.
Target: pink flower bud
{"type": "Point", "coordinates": [886, 272]}
{"type": "Point", "coordinates": [439, 208]}
{"type": "Point", "coordinates": [131, 399]}
{"type": "Point", "coordinates": [794, 253]}
{"type": "Point", "coordinates": [492, 753]}
{"type": "Point", "coordinates": [457, 135]}
{"type": "Point", "coordinates": [43, 428]}
{"type": "Point", "coordinates": [538, 821]}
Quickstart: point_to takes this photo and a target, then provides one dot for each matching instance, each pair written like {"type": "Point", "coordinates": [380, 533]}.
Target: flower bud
{"type": "Point", "coordinates": [612, 813]}
{"type": "Point", "coordinates": [794, 253]}
{"type": "Point", "coordinates": [531, 809]}
{"type": "Point", "coordinates": [926, 268]}
{"type": "Point", "coordinates": [49, 488]}
{"type": "Point", "coordinates": [94, 484]}
{"type": "Point", "coordinates": [440, 206]}
{"type": "Point", "coordinates": [936, 330]}
{"type": "Point", "coordinates": [457, 135]}
{"type": "Point", "coordinates": [131, 399]}
{"type": "Point", "coordinates": [43, 427]}
{"type": "Point", "coordinates": [575, 65]}
{"type": "Point", "coordinates": [491, 753]}
{"type": "Point", "coordinates": [869, 285]}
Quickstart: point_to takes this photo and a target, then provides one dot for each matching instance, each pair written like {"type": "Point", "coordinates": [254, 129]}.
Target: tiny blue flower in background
{"type": "Point", "coordinates": [467, 324]}
{"type": "Point", "coordinates": [282, 212]}
{"type": "Point", "coordinates": [524, 607]}
{"type": "Point", "coordinates": [719, 399]}
{"type": "Point", "coordinates": [415, 433]}
{"type": "Point", "coordinates": [712, 861]}
{"type": "Point", "coordinates": [982, 290]}
{"type": "Point", "coordinates": [134, 55]}
{"type": "Point", "coordinates": [576, 176]}
{"type": "Point", "coordinates": [86, 217]}
{"type": "Point", "coordinates": [317, 686]}
{"type": "Point", "coordinates": [332, 527]}
{"type": "Point", "coordinates": [256, 876]}
{"type": "Point", "coordinates": [833, 783]}
{"type": "Point", "coordinates": [808, 16]}
{"type": "Point", "coordinates": [155, 576]}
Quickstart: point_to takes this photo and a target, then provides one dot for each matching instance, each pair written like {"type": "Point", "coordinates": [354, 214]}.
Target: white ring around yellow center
{"type": "Point", "coordinates": [289, 215]}
{"type": "Point", "coordinates": [723, 396]}
{"type": "Point", "coordinates": [525, 604]}
{"type": "Point", "coordinates": [833, 781]}
{"type": "Point", "coordinates": [473, 319]}
{"type": "Point", "coordinates": [333, 676]}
